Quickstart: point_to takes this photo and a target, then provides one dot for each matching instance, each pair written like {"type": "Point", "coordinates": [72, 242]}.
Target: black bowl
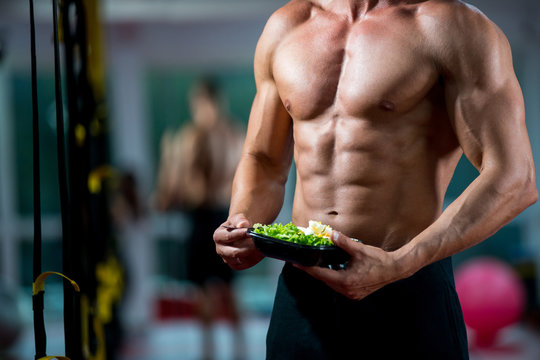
{"type": "Point", "coordinates": [305, 255]}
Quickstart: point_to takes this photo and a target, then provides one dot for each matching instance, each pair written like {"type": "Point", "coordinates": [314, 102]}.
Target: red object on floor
{"type": "Point", "coordinates": [168, 308]}
{"type": "Point", "coordinates": [492, 297]}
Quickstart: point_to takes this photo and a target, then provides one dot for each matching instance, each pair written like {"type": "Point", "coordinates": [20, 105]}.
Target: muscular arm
{"type": "Point", "coordinates": [486, 109]}
{"type": "Point", "coordinates": [266, 157]}
{"type": "Point", "coordinates": [259, 182]}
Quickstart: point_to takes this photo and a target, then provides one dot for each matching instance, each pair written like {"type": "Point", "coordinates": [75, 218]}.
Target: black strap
{"type": "Point", "coordinates": [40, 336]}
{"type": "Point", "coordinates": [60, 138]}
{"type": "Point", "coordinates": [70, 321]}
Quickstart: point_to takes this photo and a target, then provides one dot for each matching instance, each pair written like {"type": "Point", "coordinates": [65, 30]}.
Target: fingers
{"type": "Point", "coordinates": [244, 260]}
{"type": "Point", "coordinates": [240, 255]}
{"type": "Point", "coordinates": [239, 221]}
{"type": "Point", "coordinates": [226, 235]}
{"type": "Point", "coordinates": [341, 281]}
{"type": "Point", "coordinates": [233, 244]}
{"type": "Point", "coordinates": [350, 282]}
{"type": "Point", "coordinates": [232, 230]}
{"type": "Point", "coordinates": [350, 245]}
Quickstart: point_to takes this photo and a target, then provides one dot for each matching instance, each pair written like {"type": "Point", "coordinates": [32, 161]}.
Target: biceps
{"type": "Point", "coordinates": [490, 125]}
{"type": "Point", "coordinates": [269, 137]}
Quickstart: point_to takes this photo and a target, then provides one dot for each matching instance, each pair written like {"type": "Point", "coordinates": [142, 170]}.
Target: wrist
{"type": "Point", "coordinates": [407, 261]}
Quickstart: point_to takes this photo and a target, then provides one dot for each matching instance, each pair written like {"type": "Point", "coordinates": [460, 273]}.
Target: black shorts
{"type": "Point", "coordinates": [203, 263]}
{"type": "Point", "coordinates": [415, 318]}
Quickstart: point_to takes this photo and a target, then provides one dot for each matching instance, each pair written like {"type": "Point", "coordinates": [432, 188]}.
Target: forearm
{"type": "Point", "coordinates": [490, 202]}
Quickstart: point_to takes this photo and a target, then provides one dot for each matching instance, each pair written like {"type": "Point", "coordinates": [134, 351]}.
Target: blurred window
{"type": "Point", "coordinates": [22, 117]}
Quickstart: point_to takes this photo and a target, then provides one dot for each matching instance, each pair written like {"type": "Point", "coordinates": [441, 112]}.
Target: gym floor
{"type": "Point", "coordinates": [181, 340]}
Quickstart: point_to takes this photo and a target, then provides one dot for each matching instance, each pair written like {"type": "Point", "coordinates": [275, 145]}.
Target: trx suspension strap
{"type": "Point", "coordinates": [89, 177]}
{"type": "Point", "coordinates": [38, 286]}
{"type": "Point", "coordinates": [71, 329]}
{"type": "Point", "coordinates": [40, 336]}
{"type": "Point", "coordinates": [80, 109]}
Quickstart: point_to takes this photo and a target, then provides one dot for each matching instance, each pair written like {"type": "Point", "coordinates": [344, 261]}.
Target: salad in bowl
{"type": "Point", "coordinates": [307, 246]}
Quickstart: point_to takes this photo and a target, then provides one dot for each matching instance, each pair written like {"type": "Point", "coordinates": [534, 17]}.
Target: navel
{"type": "Point", "coordinates": [333, 212]}
{"type": "Point", "coordinates": [387, 105]}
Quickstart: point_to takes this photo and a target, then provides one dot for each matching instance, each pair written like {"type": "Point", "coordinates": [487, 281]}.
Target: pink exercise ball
{"type": "Point", "coordinates": [492, 297]}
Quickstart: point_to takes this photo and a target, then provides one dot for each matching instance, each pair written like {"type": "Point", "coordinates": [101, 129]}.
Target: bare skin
{"type": "Point", "coordinates": [377, 101]}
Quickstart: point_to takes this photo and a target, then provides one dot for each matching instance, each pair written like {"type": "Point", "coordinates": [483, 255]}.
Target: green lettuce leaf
{"type": "Point", "coordinates": [289, 232]}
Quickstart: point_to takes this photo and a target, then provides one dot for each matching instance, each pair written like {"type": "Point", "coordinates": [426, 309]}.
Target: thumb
{"type": "Point", "coordinates": [343, 241]}
{"type": "Point", "coordinates": [240, 221]}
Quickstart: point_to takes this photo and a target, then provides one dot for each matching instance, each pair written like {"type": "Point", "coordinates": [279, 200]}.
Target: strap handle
{"type": "Point", "coordinates": [39, 284]}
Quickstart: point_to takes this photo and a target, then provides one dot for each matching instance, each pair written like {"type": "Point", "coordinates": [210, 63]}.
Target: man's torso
{"type": "Point", "coordinates": [374, 146]}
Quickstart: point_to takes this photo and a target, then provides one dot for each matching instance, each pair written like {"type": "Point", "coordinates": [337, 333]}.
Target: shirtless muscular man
{"type": "Point", "coordinates": [377, 101]}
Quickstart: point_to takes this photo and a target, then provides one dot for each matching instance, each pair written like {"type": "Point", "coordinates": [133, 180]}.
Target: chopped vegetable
{"type": "Point", "coordinates": [314, 235]}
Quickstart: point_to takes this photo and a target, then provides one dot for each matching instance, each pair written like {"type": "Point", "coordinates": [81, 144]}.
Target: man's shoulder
{"type": "Point", "coordinates": [453, 25]}
{"type": "Point", "coordinates": [460, 37]}
{"type": "Point", "coordinates": [290, 15]}
{"type": "Point", "coordinates": [452, 17]}
{"type": "Point", "coordinates": [281, 23]}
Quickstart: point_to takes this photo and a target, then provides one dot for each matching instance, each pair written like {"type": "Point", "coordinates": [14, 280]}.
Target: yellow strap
{"type": "Point", "coordinates": [101, 351]}
{"type": "Point", "coordinates": [39, 284]}
{"type": "Point", "coordinates": [99, 332]}
{"type": "Point", "coordinates": [54, 357]}
{"type": "Point", "coordinates": [109, 290]}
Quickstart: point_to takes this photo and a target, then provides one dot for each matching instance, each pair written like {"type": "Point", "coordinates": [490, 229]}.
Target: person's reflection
{"type": "Point", "coordinates": [198, 164]}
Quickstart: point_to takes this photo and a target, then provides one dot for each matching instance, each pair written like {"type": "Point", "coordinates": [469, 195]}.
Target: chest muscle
{"type": "Point", "coordinates": [355, 70]}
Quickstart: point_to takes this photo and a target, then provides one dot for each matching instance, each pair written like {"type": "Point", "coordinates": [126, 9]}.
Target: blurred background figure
{"type": "Point", "coordinates": [195, 176]}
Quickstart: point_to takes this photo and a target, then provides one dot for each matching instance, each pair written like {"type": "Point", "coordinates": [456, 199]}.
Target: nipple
{"type": "Point", "coordinates": [387, 105]}
{"type": "Point", "coordinates": [287, 104]}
